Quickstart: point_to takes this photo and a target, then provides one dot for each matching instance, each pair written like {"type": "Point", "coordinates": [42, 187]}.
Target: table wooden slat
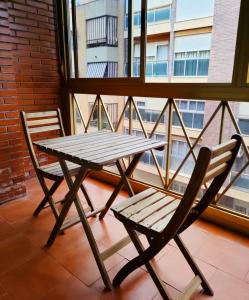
{"type": "Point", "coordinates": [98, 148]}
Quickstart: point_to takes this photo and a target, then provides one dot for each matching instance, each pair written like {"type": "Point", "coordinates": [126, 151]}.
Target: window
{"type": "Point", "coordinates": [192, 113]}
{"type": "Point", "coordinates": [156, 59]}
{"type": "Point", "coordinates": [112, 110]}
{"type": "Point", "coordinates": [102, 69]}
{"type": "Point", "coordinates": [158, 15]}
{"type": "Point", "coordinates": [149, 160]}
{"type": "Point", "coordinates": [102, 31]}
{"type": "Point", "coordinates": [179, 150]}
{"type": "Point", "coordinates": [193, 63]}
{"type": "Point", "coordinates": [244, 126]}
{"type": "Point", "coordinates": [191, 55]}
{"type": "Point", "coordinates": [147, 115]}
{"type": "Point", "coordinates": [153, 16]}
{"type": "Point", "coordinates": [240, 209]}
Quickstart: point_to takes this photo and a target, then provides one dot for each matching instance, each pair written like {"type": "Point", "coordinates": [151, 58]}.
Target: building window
{"type": "Point", "coordinates": [192, 63]}
{"type": "Point", "coordinates": [156, 60]}
{"type": "Point", "coordinates": [153, 16]}
{"type": "Point", "coordinates": [244, 126]}
{"type": "Point", "coordinates": [112, 110]}
{"type": "Point", "coordinates": [147, 115]}
{"type": "Point", "coordinates": [158, 15]}
{"type": "Point", "coordinates": [179, 150]}
{"type": "Point", "coordinates": [192, 113]}
{"type": "Point", "coordinates": [102, 69]}
{"type": "Point", "coordinates": [240, 209]}
{"type": "Point", "coordinates": [102, 31]}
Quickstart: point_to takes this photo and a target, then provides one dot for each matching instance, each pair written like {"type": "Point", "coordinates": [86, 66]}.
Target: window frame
{"type": "Point", "coordinates": [137, 86]}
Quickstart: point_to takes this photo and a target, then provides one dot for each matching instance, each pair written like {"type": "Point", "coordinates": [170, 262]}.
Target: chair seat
{"type": "Point", "coordinates": [148, 211]}
{"type": "Point", "coordinates": [54, 169]}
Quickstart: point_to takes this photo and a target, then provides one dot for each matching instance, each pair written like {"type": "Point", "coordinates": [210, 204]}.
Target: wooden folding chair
{"type": "Point", "coordinates": [45, 122]}
{"type": "Point", "coordinates": [162, 218]}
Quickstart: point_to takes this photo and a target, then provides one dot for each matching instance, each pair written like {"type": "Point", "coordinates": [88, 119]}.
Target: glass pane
{"type": "Point", "coordinates": [203, 67]}
{"type": "Point", "coordinates": [199, 52]}
{"type": "Point", "coordinates": [150, 16]}
{"type": "Point", "coordinates": [102, 38]}
{"type": "Point", "coordinates": [187, 119]}
{"type": "Point", "coordinates": [162, 14]}
{"type": "Point", "coordinates": [179, 67]}
{"type": "Point", "coordinates": [198, 121]}
{"type": "Point", "coordinates": [191, 66]}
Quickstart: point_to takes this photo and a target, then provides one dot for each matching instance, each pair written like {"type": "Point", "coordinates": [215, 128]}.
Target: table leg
{"type": "Point", "coordinates": [73, 197]}
{"type": "Point", "coordinates": [121, 183]}
{"type": "Point", "coordinates": [68, 201]}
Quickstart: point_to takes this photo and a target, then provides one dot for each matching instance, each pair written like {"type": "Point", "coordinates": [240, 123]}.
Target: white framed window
{"type": "Point", "coordinates": [192, 113]}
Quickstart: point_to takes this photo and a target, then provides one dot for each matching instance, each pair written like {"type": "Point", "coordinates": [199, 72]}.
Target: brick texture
{"type": "Point", "coordinates": [29, 80]}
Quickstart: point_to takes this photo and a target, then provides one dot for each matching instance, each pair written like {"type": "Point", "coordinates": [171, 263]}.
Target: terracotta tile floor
{"type": "Point", "coordinates": [67, 270]}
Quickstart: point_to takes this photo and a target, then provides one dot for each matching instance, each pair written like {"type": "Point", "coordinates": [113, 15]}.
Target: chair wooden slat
{"type": "Point", "coordinates": [133, 200]}
{"type": "Point", "coordinates": [219, 160]}
{"type": "Point", "coordinates": [141, 205]}
{"type": "Point", "coordinates": [41, 114]}
{"type": "Point", "coordinates": [221, 148]}
{"type": "Point", "coordinates": [151, 209]}
{"type": "Point", "coordinates": [44, 128]}
{"type": "Point", "coordinates": [163, 222]}
{"type": "Point", "coordinates": [163, 212]}
{"type": "Point", "coordinates": [43, 121]}
{"type": "Point", "coordinates": [215, 172]}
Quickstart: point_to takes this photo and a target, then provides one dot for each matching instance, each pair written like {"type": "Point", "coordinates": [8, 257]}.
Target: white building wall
{"type": "Point", "coordinates": [191, 9]}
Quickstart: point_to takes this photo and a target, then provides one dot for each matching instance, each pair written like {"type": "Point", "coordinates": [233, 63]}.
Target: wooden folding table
{"type": "Point", "coordinates": [93, 151]}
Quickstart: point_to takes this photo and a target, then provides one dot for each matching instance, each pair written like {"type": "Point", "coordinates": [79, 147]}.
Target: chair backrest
{"type": "Point", "coordinates": [212, 167]}
{"type": "Point", "coordinates": [40, 122]}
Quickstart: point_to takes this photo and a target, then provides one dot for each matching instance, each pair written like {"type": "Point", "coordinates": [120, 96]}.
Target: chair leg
{"type": "Point", "coordinates": [205, 285]}
{"type": "Point", "coordinates": [88, 200]}
{"type": "Point", "coordinates": [46, 198]}
{"type": "Point", "coordinates": [140, 248]}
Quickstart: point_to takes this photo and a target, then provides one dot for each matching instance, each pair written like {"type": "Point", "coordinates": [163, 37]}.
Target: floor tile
{"type": "Point", "coordinates": [129, 251]}
{"type": "Point", "coordinates": [226, 287]}
{"type": "Point", "coordinates": [193, 238]}
{"type": "Point", "coordinates": [72, 289]}
{"type": "Point", "coordinates": [34, 279]}
{"type": "Point", "coordinates": [36, 228]}
{"type": "Point", "coordinates": [17, 210]}
{"type": "Point", "coordinates": [6, 230]}
{"type": "Point", "coordinates": [109, 230]}
{"type": "Point", "coordinates": [213, 229]}
{"type": "Point", "coordinates": [138, 285]}
{"type": "Point", "coordinates": [174, 270]}
{"type": "Point", "coordinates": [81, 263]}
{"type": "Point", "coordinates": [226, 256]}
{"type": "Point", "coordinates": [16, 250]}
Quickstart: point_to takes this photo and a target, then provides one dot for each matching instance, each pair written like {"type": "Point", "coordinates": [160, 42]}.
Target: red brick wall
{"type": "Point", "coordinates": [29, 80]}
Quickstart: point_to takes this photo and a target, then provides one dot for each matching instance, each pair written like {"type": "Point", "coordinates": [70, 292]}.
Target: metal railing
{"type": "Point", "coordinates": [168, 177]}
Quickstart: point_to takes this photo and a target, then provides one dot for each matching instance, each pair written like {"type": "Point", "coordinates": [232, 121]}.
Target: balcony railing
{"type": "Point", "coordinates": [173, 167]}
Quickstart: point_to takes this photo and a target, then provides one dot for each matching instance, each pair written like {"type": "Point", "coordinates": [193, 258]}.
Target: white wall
{"type": "Point", "coordinates": [101, 7]}
{"type": "Point", "coordinates": [193, 42]}
{"type": "Point", "coordinates": [192, 9]}
{"type": "Point", "coordinates": [100, 54]}
{"type": "Point", "coordinates": [151, 4]}
{"type": "Point", "coordinates": [244, 109]}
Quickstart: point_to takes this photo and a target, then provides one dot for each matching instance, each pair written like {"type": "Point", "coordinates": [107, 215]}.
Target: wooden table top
{"type": "Point", "coordinates": [97, 149]}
